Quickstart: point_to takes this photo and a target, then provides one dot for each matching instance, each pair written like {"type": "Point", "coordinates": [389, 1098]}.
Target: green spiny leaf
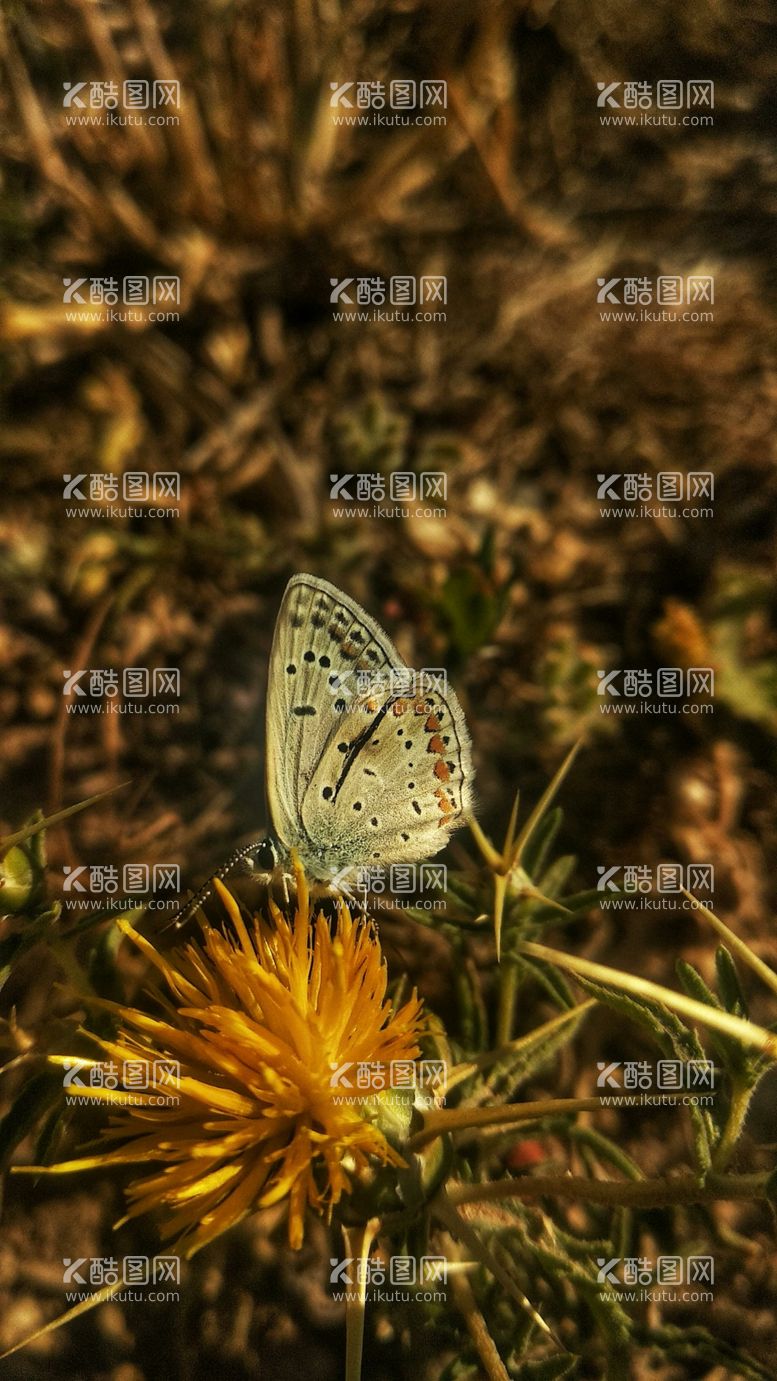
{"type": "Point", "coordinates": [672, 1037]}
{"type": "Point", "coordinates": [541, 841]}
{"type": "Point", "coordinates": [729, 985]}
{"type": "Point", "coordinates": [732, 1056]}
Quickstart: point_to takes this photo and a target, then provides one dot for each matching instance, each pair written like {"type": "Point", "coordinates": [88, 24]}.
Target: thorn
{"type": "Point", "coordinates": [511, 824]}
{"type": "Point", "coordinates": [500, 892]}
{"type": "Point", "coordinates": [544, 801]}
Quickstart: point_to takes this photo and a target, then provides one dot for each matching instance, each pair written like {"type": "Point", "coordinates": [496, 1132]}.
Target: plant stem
{"type": "Point", "coordinates": [49, 821]}
{"type": "Point", "coordinates": [477, 1327]}
{"type": "Point", "coordinates": [508, 989]}
{"type": "Point", "coordinates": [746, 1032]}
{"type": "Point", "coordinates": [463, 1231]}
{"type": "Point", "coordinates": [680, 1189]}
{"type": "Point", "coordinates": [459, 1119]}
{"type": "Point", "coordinates": [767, 975]}
{"type": "Point", "coordinates": [358, 1244]}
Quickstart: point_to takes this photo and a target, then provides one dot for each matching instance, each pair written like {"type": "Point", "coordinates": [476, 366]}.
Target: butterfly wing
{"type": "Point", "coordinates": [322, 641]}
{"type": "Point", "coordinates": [393, 779]}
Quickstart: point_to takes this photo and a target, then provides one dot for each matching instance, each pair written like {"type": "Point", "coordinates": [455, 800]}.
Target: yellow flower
{"type": "Point", "coordinates": [258, 1021]}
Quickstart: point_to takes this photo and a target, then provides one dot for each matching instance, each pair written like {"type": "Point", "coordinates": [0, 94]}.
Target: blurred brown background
{"type": "Point", "coordinates": [256, 200]}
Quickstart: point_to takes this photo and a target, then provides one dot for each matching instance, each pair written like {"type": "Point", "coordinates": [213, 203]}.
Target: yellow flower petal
{"type": "Point", "coordinates": [257, 1019]}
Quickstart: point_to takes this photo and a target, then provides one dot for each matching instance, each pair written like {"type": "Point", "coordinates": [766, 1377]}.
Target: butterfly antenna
{"type": "Point", "coordinates": [194, 903]}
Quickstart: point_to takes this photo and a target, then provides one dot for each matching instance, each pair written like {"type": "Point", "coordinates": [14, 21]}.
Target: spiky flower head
{"type": "Point", "coordinates": [257, 1019]}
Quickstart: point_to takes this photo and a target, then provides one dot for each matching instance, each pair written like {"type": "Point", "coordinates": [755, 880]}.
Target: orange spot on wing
{"type": "Point", "coordinates": [441, 771]}
{"type": "Point", "coordinates": [435, 744]}
{"type": "Point", "coordinates": [432, 723]}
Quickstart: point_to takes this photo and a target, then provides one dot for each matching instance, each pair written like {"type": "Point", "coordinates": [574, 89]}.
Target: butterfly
{"type": "Point", "coordinates": [368, 763]}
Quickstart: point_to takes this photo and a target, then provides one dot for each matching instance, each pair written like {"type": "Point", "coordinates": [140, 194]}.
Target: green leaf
{"type": "Point", "coordinates": [672, 1038]}
{"type": "Point", "coordinates": [549, 978]}
{"type": "Point", "coordinates": [473, 1015]}
{"type": "Point", "coordinates": [734, 1058]}
{"type": "Point", "coordinates": [541, 841]}
{"type": "Point", "coordinates": [534, 1056]}
{"type": "Point", "coordinates": [728, 983]}
{"type": "Point", "coordinates": [554, 879]}
{"type": "Point", "coordinates": [470, 607]}
{"type": "Point", "coordinates": [580, 901]}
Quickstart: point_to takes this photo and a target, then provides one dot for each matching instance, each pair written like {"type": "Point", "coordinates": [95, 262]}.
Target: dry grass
{"type": "Point", "coordinates": [255, 200]}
